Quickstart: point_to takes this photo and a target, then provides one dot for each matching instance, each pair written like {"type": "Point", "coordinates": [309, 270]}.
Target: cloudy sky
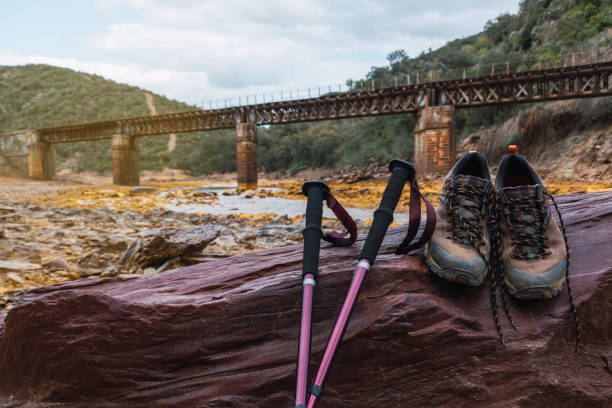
{"type": "Point", "coordinates": [199, 50]}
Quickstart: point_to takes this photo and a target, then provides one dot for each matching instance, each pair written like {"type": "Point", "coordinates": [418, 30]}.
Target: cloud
{"type": "Point", "coordinates": [163, 81]}
{"type": "Point", "coordinates": [196, 50]}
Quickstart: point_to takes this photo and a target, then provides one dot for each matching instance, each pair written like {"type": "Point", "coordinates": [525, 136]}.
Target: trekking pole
{"type": "Point", "coordinates": [316, 192]}
{"type": "Point", "coordinates": [383, 216]}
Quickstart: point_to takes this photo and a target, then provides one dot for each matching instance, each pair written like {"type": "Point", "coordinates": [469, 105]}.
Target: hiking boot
{"type": "Point", "coordinates": [459, 248]}
{"type": "Point", "coordinates": [533, 248]}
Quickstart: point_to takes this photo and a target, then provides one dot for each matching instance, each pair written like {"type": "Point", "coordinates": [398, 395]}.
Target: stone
{"type": "Point", "coordinates": [7, 299]}
{"type": "Point", "coordinates": [131, 252]}
{"type": "Point", "coordinates": [14, 277]}
{"type": "Point", "coordinates": [161, 244]}
{"type": "Point", "coordinates": [111, 270]}
{"type": "Point", "coordinates": [18, 266]}
{"type": "Point", "coordinates": [57, 263]}
{"type": "Point", "coordinates": [124, 276]}
{"type": "Point", "coordinates": [224, 334]}
{"type": "Point", "coordinates": [108, 193]}
{"type": "Point", "coordinates": [149, 271]}
{"type": "Point", "coordinates": [142, 190]}
{"type": "Point", "coordinates": [277, 230]}
{"type": "Point", "coordinates": [226, 242]}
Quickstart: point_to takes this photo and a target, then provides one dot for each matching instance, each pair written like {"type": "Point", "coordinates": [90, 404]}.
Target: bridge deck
{"type": "Point", "coordinates": [581, 81]}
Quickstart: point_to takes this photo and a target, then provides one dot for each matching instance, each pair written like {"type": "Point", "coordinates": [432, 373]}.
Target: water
{"type": "Point", "coordinates": [238, 204]}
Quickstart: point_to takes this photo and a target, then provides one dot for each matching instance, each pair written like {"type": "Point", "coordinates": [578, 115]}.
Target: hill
{"type": "Point", "coordinates": [541, 30]}
{"type": "Point", "coordinates": [35, 96]}
{"type": "Point", "coordinates": [38, 95]}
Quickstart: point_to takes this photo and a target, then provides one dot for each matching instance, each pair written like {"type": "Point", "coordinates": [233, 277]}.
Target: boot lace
{"type": "Point", "coordinates": [526, 220]}
{"type": "Point", "coordinates": [467, 204]}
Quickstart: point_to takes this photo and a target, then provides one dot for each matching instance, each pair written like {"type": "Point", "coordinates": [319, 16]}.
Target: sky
{"type": "Point", "coordinates": [197, 51]}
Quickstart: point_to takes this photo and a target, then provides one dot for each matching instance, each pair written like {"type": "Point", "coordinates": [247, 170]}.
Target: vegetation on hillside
{"type": "Point", "coordinates": [35, 96]}
{"type": "Point", "coordinates": [542, 30]}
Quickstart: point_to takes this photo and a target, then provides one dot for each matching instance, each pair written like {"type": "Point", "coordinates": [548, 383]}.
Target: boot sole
{"type": "Point", "coordinates": [535, 292]}
{"type": "Point", "coordinates": [453, 275]}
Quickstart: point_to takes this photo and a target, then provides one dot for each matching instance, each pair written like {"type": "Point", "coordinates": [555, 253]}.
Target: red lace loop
{"type": "Point", "coordinates": [335, 237]}
{"type": "Point", "coordinates": [415, 219]}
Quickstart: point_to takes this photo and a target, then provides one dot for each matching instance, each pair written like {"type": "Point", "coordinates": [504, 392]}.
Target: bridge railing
{"type": "Point", "coordinates": [278, 96]}
{"type": "Point", "coordinates": [456, 73]}
{"type": "Point", "coordinates": [507, 67]}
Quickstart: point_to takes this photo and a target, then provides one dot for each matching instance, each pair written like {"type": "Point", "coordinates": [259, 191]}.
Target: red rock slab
{"type": "Point", "coordinates": [224, 334]}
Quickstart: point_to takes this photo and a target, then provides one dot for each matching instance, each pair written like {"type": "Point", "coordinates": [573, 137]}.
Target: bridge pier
{"type": "Point", "coordinates": [246, 155]}
{"type": "Point", "coordinates": [434, 140]}
{"type": "Point", "coordinates": [41, 158]}
{"type": "Point", "coordinates": [126, 167]}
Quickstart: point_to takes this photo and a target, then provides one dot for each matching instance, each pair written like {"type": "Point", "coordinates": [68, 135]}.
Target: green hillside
{"type": "Point", "coordinates": [35, 96]}
{"type": "Point", "coordinates": [541, 30]}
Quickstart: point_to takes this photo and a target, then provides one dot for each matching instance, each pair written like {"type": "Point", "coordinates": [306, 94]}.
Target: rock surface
{"type": "Point", "coordinates": [18, 266]}
{"type": "Point", "coordinates": [163, 243]}
{"type": "Point", "coordinates": [224, 334]}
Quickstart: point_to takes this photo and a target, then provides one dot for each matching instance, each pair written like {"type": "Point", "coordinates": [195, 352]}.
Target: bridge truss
{"type": "Point", "coordinates": [590, 80]}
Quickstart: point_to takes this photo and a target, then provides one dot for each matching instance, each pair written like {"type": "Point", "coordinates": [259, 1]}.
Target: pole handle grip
{"type": "Point", "coordinates": [316, 191]}
{"type": "Point", "coordinates": [401, 171]}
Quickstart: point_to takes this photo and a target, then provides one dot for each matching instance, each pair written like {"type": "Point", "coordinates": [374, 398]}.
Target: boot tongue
{"type": "Point", "coordinates": [473, 180]}
{"type": "Point", "coordinates": [522, 192]}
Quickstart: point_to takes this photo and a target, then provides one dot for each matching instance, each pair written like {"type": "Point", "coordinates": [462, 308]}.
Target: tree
{"type": "Point", "coordinates": [396, 57]}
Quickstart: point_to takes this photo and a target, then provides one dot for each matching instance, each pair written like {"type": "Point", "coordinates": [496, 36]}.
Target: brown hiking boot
{"type": "Point", "coordinates": [534, 251]}
{"type": "Point", "coordinates": [459, 248]}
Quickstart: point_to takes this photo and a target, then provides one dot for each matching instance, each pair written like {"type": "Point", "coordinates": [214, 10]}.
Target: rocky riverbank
{"type": "Point", "coordinates": [54, 232]}
{"type": "Point", "coordinates": [45, 245]}
{"type": "Point", "coordinates": [224, 334]}
{"type": "Point", "coordinates": [57, 231]}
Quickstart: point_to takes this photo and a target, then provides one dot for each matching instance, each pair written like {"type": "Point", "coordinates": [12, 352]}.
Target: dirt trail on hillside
{"type": "Point", "coordinates": [153, 111]}
{"type": "Point", "coordinates": [150, 104]}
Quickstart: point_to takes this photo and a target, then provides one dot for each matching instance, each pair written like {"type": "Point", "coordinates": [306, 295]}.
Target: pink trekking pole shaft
{"type": "Point", "coordinates": [316, 191]}
{"type": "Point", "coordinates": [401, 171]}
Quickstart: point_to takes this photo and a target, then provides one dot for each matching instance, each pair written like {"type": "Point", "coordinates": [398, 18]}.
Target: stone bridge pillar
{"type": "Point", "coordinates": [126, 168]}
{"type": "Point", "coordinates": [246, 155]}
{"type": "Point", "coordinates": [434, 140]}
{"type": "Point", "coordinates": [41, 158]}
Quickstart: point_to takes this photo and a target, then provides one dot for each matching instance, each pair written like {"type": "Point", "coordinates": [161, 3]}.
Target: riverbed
{"type": "Point", "coordinates": [58, 231]}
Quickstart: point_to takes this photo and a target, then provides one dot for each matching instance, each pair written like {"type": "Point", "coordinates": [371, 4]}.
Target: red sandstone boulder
{"type": "Point", "coordinates": [224, 334]}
